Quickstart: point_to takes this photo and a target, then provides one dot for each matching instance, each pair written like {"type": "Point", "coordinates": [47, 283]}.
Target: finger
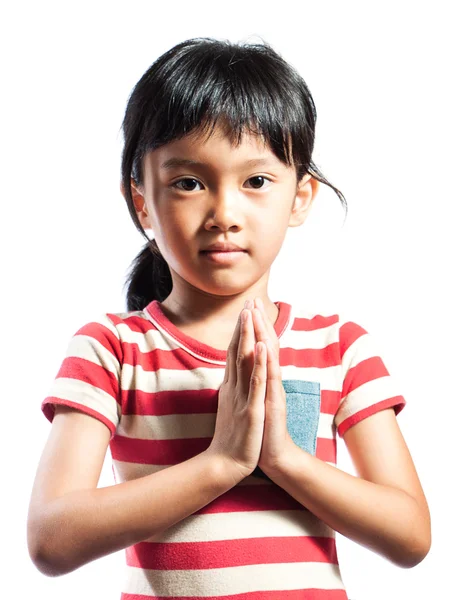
{"type": "Point", "coordinates": [245, 355]}
{"type": "Point", "coordinates": [271, 333]}
{"type": "Point", "coordinates": [260, 329]}
{"type": "Point", "coordinates": [258, 380]}
{"type": "Point", "coordinates": [232, 351]}
{"type": "Point", "coordinates": [268, 324]}
{"type": "Point", "coordinates": [273, 377]}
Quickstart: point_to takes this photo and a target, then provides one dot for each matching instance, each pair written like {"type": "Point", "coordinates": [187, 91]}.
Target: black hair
{"type": "Point", "coordinates": [192, 86]}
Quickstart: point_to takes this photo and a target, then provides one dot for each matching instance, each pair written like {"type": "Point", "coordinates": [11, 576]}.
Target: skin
{"type": "Point", "coordinates": [391, 514]}
{"type": "Point", "coordinates": [222, 201]}
{"type": "Point", "coordinates": [72, 522]}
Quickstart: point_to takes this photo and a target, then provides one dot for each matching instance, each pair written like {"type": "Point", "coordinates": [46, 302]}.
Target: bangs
{"type": "Point", "coordinates": [238, 89]}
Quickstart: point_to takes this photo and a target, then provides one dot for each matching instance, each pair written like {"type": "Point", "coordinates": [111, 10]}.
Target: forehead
{"type": "Point", "coordinates": [217, 149]}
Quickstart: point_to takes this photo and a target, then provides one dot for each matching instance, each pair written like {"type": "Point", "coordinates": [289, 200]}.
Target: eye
{"type": "Point", "coordinates": [257, 183]}
{"type": "Point", "coordinates": [184, 189]}
{"type": "Point", "coordinates": [258, 179]}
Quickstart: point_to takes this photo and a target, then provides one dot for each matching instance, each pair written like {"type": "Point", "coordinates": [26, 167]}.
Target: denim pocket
{"type": "Point", "coordinates": [303, 405]}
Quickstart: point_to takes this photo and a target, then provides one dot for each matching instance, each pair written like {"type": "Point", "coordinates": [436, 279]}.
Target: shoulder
{"type": "Point", "coordinates": [114, 328]}
{"type": "Point", "coordinates": [103, 339]}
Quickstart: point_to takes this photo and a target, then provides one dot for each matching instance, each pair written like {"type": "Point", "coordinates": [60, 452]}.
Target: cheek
{"type": "Point", "coordinates": [177, 234]}
{"type": "Point", "coordinates": [274, 226]}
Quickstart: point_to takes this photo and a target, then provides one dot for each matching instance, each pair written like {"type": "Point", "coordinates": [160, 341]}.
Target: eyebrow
{"type": "Point", "coordinates": [186, 162]}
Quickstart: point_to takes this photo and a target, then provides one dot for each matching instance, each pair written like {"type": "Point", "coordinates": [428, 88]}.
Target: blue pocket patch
{"type": "Point", "coordinates": [303, 404]}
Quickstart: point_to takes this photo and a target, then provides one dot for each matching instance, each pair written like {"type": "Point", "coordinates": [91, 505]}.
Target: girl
{"type": "Point", "coordinates": [221, 407]}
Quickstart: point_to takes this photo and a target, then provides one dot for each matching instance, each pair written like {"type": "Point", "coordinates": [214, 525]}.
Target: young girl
{"type": "Point", "coordinates": [220, 406]}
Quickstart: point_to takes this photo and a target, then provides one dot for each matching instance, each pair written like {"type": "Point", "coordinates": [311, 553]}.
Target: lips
{"type": "Point", "coordinates": [223, 247]}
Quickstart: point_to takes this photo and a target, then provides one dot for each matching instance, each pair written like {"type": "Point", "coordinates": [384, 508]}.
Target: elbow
{"type": "Point", "coordinates": [416, 549]}
{"type": "Point", "coordinates": [44, 550]}
{"type": "Point", "coordinates": [44, 562]}
{"type": "Point", "coordinates": [411, 558]}
{"type": "Point", "coordinates": [415, 555]}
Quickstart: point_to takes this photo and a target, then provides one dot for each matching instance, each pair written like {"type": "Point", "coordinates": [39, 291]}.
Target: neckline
{"type": "Point", "coordinates": [155, 313]}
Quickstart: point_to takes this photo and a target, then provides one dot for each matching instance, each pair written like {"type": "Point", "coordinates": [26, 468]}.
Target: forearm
{"type": "Point", "coordinates": [386, 520]}
{"type": "Point", "coordinates": [87, 524]}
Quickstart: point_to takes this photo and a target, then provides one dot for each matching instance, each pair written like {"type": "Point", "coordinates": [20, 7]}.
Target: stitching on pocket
{"type": "Point", "coordinates": [303, 404]}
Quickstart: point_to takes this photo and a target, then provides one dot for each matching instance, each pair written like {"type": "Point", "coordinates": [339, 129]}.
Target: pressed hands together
{"type": "Point", "coordinates": [251, 428]}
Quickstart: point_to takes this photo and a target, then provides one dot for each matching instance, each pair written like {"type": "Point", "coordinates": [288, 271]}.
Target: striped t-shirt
{"type": "Point", "coordinates": [156, 389]}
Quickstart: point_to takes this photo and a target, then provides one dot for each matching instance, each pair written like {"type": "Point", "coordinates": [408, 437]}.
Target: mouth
{"type": "Point", "coordinates": [223, 256]}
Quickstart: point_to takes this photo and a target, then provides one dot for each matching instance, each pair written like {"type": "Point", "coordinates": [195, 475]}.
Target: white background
{"type": "Point", "coordinates": [382, 78]}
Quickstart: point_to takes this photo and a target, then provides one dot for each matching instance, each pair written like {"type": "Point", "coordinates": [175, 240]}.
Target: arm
{"type": "Point", "coordinates": [384, 508]}
{"type": "Point", "coordinates": [71, 522]}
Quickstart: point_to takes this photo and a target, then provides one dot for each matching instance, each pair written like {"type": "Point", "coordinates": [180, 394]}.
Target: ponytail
{"type": "Point", "coordinates": [149, 278]}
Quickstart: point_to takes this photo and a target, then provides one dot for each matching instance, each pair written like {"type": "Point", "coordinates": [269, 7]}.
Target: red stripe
{"type": "Point", "coordinates": [397, 402]}
{"type": "Point", "coordinates": [316, 322]}
{"type": "Point", "coordinates": [264, 595]}
{"type": "Point", "coordinates": [104, 336]}
{"type": "Point", "coordinates": [367, 370]}
{"type": "Point", "coordinates": [231, 553]}
{"type": "Point", "coordinates": [171, 452]}
{"type": "Point", "coordinates": [330, 401]}
{"type": "Point", "coordinates": [84, 370]}
{"type": "Point", "coordinates": [170, 402]}
{"type": "Point", "coordinates": [49, 411]}
{"type": "Point", "coordinates": [156, 452]}
{"type": "Point", "coordinates": [135, 323]}
{"type": "Point", "coordinates": [251, 498]}
{"type": "Point", "coordinates": [326, 449]}
{"type": "Point", "coordinates": [177, 402]}
{"type": "Point", "coordinates": [177, 359]}
{"type": "Point", "coordinates": [349, 333]}
{"type": "Point", "coordinates": [329, 356]}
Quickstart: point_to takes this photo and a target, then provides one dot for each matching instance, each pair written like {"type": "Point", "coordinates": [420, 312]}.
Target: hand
{"type": "Point", "coordinates": [240, 418]}
{"type": "Point", "coordinates": [276, 443]}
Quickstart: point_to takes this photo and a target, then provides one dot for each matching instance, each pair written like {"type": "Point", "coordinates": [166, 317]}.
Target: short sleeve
{"type": "Point", "coordinates": [367, 385]}
{"type": "Point", "coordinates": [89, 376]}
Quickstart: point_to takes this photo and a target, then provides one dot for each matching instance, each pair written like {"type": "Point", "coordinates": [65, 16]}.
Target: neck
{"type": "Point", "coordinates": [187, 305]}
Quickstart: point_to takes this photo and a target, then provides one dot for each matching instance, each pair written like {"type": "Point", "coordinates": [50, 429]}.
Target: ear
{"type": "Point", "coordinates": [307, 190]}
{"type": "Point", "coordinates": [140, 204]}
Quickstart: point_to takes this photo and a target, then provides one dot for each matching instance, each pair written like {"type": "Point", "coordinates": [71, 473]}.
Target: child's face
{"type": "Point", "coordinates": [191, 206]}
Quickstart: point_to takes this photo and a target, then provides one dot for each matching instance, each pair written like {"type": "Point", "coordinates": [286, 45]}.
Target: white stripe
{"type": "Point", "coordinates": [104, 320]}
{"type": "Point", "coordinates": [244, 525]}
{"type": "Point", "coordinates": [135, 377]}
{"type": "Point", "coordinates": [328, 377]}
{"type": "Point", "coordinates": [316, 339]}
{"type": "Point", "coordinates": [188, 426]}
{"type": "Point", "coordinates": [366, 395]}
{"type": "Point", "coordinates": [162, 380]}
{"type": "Point", "coordinates": [168, 427]}
{"type": "Point", "coordinates": [362, 349]}
{"type": "Point", "coordinates": [88, 395]}
{"type": "Point", "coordinates": [234, 580]}
{"type": "Point", "coordinates": [89, 348]}
{"type": "Point", "coordinates": [147, 340]}
{"type": "Point", "coordinates": [326, 426]}
{"type": "Point", "coordinates": [125, 471]}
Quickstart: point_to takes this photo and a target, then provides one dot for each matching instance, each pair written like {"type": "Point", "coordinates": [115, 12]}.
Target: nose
{"type": "Point", "coordinates": [225, 211]}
